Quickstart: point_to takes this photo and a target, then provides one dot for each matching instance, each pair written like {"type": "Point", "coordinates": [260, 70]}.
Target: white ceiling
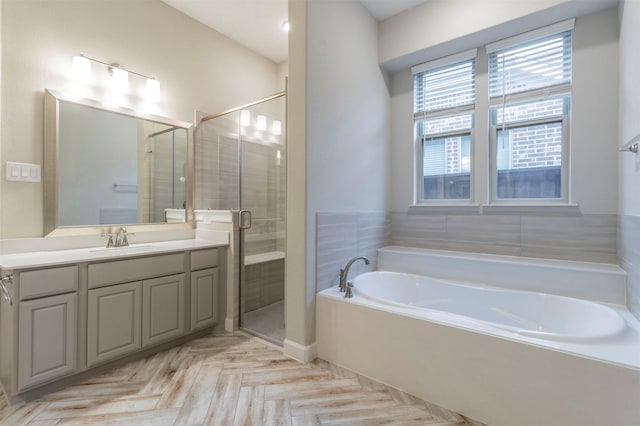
{"type": "Point", "coordinates": [256, 24]}
{"type": "Point", "coordinates": [383, 9]}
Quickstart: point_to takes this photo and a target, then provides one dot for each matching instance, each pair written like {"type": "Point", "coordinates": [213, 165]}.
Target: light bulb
{"type": "Point", "coordinates": [276, 127]}
{"type": "Point", "coordinates": [261, 122]}
{"type": "Point", "coordinates": [81, 69]}
{"type": "Point", "coordinates": [245, 117]}
{"type": "Point", "coordinates": [120, 79]}
{"type": "Point", "coordinates": [286, 26]}
{"type": "Point", "coordinates": [153, 89]}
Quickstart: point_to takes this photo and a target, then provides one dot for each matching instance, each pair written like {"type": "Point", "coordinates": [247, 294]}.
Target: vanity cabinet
{"type": "Point", "coordinates": [113, 321]}
{"type": "Point", "coordinates": [46, 339]}
{"type": "Point", "coordinates": [148, 308]}
{"type": "Point", "coordinates": [204, 298]}
{"type": "Point", "coordinates": [163, 309]}
{"type": "Point", "coordinates": [65, 319]}
{"type": "Point", "coordinates": [126, 317]}
{"type": "Point", "coordinates": [47, 322]}
{"type": "Point", "coordinates": [204, 288]}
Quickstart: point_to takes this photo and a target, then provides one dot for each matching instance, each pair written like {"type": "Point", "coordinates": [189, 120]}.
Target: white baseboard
{"type": "Point", "coordinates": [299, 352]}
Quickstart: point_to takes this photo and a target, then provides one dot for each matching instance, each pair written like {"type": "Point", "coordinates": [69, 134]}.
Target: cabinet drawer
{"type": "Point", "coordinates": [101, 274]}
{"type": "Point", "coordinates": [48, 282]}
{"type": "Point", "coordinates": [201, 259]}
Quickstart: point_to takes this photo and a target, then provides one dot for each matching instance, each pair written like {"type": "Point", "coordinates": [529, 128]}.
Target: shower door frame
{"type": "Point", "coordinates": [237, 307]}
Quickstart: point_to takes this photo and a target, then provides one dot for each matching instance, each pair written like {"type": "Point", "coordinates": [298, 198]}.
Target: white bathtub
{"type": "Point", "coordinates": [485, 337]}
{"type": "Point", "coordinates": [539, 315]}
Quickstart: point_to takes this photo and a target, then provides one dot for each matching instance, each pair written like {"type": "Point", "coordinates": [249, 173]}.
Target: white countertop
{"type": "Point", "coordinates": [39, 259]}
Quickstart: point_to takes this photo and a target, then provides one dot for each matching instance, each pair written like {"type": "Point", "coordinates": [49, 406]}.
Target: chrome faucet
{"type": "Point", "coordinates": [110, 242]}
{"type": "Point", "coordinates": [121, 238]}
{"type": "Point", "coordinates": [344, 272]}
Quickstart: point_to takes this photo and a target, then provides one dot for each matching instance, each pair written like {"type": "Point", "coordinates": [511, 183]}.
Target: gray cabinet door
{"type": "Point", "coordinates": [47, 339]}
{"type": "Point", "coordinates": [204, 298]}
{"type": "Point", "coordinates": [113, 321]}
{"type": "Point", "coordinates": [163, 303]}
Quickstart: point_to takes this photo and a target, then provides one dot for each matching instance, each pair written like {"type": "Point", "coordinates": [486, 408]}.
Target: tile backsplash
{"type": "Point", "coordinates": [590, 238]}
{"type": "Point", "coordinates": [341, 236]}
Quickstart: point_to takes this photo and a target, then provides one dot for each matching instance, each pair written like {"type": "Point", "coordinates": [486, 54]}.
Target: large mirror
{"type": "Point", "coordinates": [112, 166]}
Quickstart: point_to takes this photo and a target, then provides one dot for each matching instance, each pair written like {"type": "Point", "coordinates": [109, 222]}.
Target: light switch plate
{"type": "Point", "coordinates": [23, 172]}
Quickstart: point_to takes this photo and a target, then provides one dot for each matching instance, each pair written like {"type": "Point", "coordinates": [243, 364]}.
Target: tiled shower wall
{"type": "Point", "coordinates": [217, 165]}
{"type": "Point", "coordinates": [263, 284]}
{"type": "Point", "coordinates": [341, 236]}
{"type": "Point", "coordinates": [629, 253]}
{"type": "Point", "coordinates": [592, 238]}
{"type": "Point", "coordinates": [263, 185]}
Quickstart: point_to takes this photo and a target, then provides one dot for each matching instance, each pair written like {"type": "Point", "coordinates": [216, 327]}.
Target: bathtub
{"type": "Point", "coordinates": [540, 315]}
{"type": "Point", "coordinates": [500, 339]}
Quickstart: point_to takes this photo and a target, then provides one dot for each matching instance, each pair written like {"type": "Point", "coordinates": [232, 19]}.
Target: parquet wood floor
{"type": "Point", "coordinates": [227, 380]}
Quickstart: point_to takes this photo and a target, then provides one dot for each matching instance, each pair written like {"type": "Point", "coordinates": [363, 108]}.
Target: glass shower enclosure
{"type": "Point", "coordinates": [241, 166]}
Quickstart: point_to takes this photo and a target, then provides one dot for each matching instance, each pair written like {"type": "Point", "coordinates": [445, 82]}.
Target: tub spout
{"type": "Point", "coordinates": [344, 272]}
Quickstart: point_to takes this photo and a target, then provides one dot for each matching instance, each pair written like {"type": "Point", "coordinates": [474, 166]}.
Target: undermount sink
{"type": "Point", "coordinates": [124, 250]}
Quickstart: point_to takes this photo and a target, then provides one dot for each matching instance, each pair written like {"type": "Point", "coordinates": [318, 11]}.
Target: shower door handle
{"type": "Point", "coordinates": [245, 219]}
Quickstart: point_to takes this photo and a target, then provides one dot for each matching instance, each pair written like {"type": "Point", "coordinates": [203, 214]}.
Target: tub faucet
{"type": "Point", "coordinates": [344, 272]}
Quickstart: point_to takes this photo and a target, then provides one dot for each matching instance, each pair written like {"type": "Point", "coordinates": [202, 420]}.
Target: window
{"type": "Point", "coordinates": [530, 97]}
{"type": "Point", "coordinates": [511, 133]}
{"type": "Point", "coordinates": [444, 102]}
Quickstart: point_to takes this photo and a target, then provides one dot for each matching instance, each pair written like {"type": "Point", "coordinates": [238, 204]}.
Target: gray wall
{"type": "Point", "coordinates": [629, 172]}
{"type": "Point", "coordinates": [348, 116]}
{"type": "Point", "coordinates": [342, 138]}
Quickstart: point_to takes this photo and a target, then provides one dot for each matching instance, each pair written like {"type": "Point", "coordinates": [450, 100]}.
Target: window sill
{"type": "Point", "coordinates": [560, 209]}
{"type": "Point", "coordinates": [445, 208]}
{"type": "Point", "coordinates": [567, 209]}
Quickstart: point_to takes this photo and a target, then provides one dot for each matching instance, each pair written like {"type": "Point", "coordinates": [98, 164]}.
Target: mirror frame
{"type": "Point", "coordinates": [50, 171]}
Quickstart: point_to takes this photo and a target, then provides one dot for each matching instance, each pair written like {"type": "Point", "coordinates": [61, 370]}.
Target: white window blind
{"type": "Point", "coordinates": [535, 67]}
{"type": "Point", "coordinates": [434, 157]}
{"type": "Point", "coordinates": [439, 86]}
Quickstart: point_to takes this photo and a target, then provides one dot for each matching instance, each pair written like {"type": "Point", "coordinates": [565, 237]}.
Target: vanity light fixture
{"type": "Point", "coordinates": [276, 127]}
{"type": "Point", "coordinates": [119, 75]}
{"type": "Point", "coordinates": [245, 117]}
{"type": "Point", "coordinates": [261, 122]}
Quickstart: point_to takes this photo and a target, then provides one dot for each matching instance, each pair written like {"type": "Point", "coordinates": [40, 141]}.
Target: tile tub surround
{"type": "Point", "coordinates": [590, 238]}
{"type": "Point", "coordinates": [228, 380]}
{"type": "Point", "coordinates": [629, 252]}
{"type": "Point", "coordinates": [342, 236]}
